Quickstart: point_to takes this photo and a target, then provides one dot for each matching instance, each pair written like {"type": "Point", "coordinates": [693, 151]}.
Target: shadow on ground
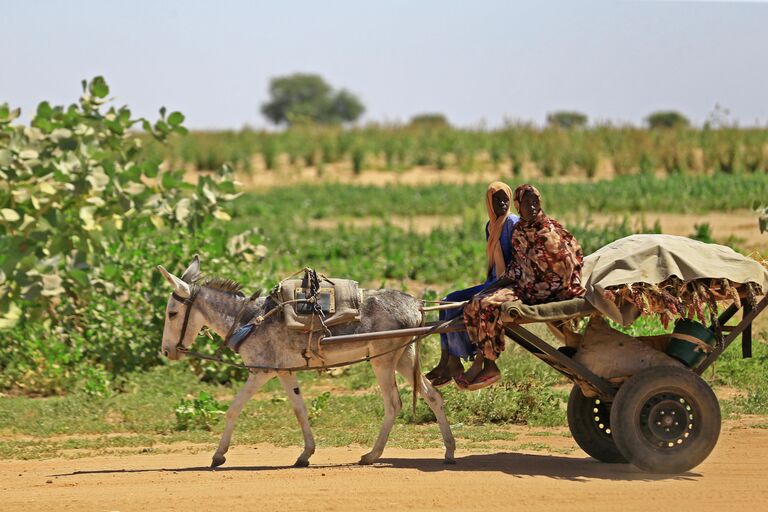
{"type": "Point", "coordinates": [520, 465]}
{"type": "Point", "coordinates": [512, 464]}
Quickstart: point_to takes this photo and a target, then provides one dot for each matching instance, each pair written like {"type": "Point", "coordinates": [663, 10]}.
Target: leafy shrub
{"type": "Point", "coordinates": [199, 413]}
{"type": "Point", "coordinates": [318, 403]}
{"type": "Point", "coordinates": [73, 182]}
{"type": "Point", "coordinates": [86, 218]}
{"type": "Point", "coordinates": [119, 329]}
{"type": "Point", "coordinates": [703, 233]}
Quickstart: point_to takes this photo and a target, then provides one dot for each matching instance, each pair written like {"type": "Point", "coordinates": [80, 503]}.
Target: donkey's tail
{"type": "Point", "coordinates": [417, 365]}
{"type": "Point", "coordinates": [416, 374]}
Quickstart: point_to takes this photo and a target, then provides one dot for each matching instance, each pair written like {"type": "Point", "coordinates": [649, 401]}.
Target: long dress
{"type": "Point", "coordinates": [458, 343]}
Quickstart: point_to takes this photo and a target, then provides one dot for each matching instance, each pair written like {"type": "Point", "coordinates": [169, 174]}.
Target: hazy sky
{"type": "Point", "coordinates": [472, 60]}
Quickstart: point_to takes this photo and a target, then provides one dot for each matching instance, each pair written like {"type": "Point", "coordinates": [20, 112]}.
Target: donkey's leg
{"type": "Point", "coordinates": [291, 385]}
{"type": "Point", "coordinates": [252, 385]}
{"type": "Point", "coordinates": [433, 398]}
{"type": "Point", "coordinates": [384, 368]}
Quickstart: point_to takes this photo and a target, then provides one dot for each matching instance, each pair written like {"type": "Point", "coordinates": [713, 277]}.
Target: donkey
{"type": "Point", "coordinates": [215, 303]}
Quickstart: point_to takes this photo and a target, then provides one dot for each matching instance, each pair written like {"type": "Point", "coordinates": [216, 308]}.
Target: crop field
{"type": "Point", "coordinates": [552, 152]}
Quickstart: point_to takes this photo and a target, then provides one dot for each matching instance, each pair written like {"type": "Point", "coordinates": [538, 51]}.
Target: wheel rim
{"type": "Point", "coordinates": [601, 417]}
{"type": "Point", "coordinates": [668, 421]}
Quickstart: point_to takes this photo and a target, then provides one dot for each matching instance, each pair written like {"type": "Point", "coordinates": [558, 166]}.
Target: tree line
{"type": "Point", "coordinates": [306, 98]}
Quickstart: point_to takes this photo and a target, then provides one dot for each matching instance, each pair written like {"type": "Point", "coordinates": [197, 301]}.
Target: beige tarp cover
{"type": "Point", "coordinates": [648, 259]}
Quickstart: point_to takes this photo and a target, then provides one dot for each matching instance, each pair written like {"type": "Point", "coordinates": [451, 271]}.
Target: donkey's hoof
{"type": "Point", "coordinates": [218, 460]}
{"type": "Point", "coordinates": [301, 463]}
{"type": "Point", "coordinates": [449, 461]}
{"type": "Point", "coordinates": [367, 459]}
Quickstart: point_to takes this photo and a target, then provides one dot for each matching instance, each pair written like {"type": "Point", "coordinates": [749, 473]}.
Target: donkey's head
{"type": "Point", "coordinates": [183, 321]}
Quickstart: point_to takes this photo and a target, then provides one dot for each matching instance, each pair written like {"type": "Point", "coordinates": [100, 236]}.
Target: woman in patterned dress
{"type": "Point", "coordinates": [545, 267]}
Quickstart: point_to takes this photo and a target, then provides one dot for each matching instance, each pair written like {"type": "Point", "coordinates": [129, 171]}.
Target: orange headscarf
{"type": "Point", "coordinates": [495, 226]}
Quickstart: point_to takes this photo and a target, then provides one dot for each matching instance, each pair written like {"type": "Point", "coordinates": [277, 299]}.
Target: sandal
{"type": "Point", "coordinates": [461, 381]}
{"type": "Point", "coordinates": [483, 382]}
{"type": "Point", "coordinates": [440, 381]}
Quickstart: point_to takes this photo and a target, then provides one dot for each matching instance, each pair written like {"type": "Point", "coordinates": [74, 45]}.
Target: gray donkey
{"type": "Point", "coordinates": [214, 303]}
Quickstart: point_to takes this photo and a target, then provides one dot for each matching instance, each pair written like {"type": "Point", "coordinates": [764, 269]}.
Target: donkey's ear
{"type": "Point", "coordinates": [193, 271]}
{"type": "Point", "coordinates": [179, 287]}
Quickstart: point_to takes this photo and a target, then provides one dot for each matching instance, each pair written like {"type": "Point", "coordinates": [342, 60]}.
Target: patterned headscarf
{"type": "Point", "coordinates": [495, 226]}
{"type": "Point", "coordinates": [518, 197]}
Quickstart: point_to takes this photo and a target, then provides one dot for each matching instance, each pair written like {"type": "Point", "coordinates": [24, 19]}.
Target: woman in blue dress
{"type": "Point", "coordinates": [498, 231]}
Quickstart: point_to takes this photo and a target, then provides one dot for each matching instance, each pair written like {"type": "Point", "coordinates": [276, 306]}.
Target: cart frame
{"type": "Point", "coordinates": [663, 419]}
{"type": "Point", "coordinates": [562, 363]}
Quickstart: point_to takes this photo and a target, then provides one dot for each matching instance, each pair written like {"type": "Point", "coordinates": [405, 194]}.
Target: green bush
{"type": "Point", "coordinates": [199, 413]}
{"type": "Point", "coordinates": [119, 329]}
{"type": "Point", "coordinates": [86, 217]}
{"type": "Point", "coordinates": [73, 182]}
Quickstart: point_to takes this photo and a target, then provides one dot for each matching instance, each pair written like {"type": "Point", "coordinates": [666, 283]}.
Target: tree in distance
{"type": "Point", "coordinates": [302, 98]}
{"type": "Point", "coordinates": [666, 119]}
{"type": "Point", "coordinates": [567, 119]}
{"type": "Point", "coordinates": [429, 120]}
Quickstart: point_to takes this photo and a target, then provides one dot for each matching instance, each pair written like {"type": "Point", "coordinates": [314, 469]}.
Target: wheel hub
{"type": "Point", "coordinates": [667, 420]}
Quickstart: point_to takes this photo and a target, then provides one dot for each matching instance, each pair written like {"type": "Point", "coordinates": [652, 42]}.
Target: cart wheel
{"type": "Point", "coordinates": [590, 422]}
{"type": "Point", "coordinates": [665, 420]}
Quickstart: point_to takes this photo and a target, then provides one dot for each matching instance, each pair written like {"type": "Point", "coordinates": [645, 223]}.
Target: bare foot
{"type": "Point", "coordinates": [441, 369]}
{"type": "Point", "coordinates": [454, 366]}
{"type": "Point", "coordinates": [489, 370]}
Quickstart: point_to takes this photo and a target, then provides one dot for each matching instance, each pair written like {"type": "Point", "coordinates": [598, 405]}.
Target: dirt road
{"type": "Point", "coordinates": [260, 478]}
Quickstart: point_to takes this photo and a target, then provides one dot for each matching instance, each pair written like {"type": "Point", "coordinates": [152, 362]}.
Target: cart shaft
{"type": "Point", "coordinates": [455, 325]}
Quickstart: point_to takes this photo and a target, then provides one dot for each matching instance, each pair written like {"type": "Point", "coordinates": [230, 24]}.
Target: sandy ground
{"type": "Point", "coordinates": [260, 477]}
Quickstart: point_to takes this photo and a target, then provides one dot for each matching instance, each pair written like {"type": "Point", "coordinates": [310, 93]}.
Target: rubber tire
{"type": "Point", "coordinates": [628, 430]}
{"type": "Point", "coordinates": [587, 435]}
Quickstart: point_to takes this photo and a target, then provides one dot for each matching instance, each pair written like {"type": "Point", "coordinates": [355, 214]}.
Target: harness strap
{"type": "Point", "coordinates": [187, 301]}
{"type": "Point", "coordinates": [251, 367]}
